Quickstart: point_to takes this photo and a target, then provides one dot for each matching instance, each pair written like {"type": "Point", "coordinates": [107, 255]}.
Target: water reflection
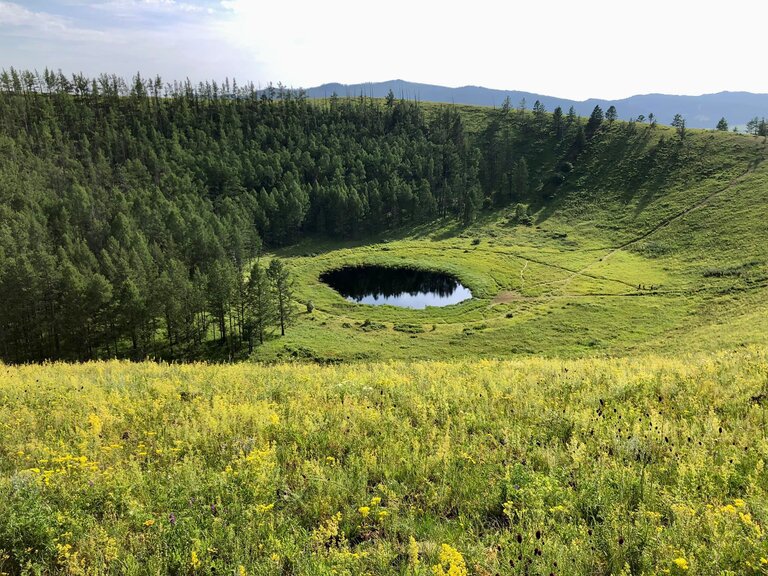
{"type": "Point", "coordinates": [404, 287]}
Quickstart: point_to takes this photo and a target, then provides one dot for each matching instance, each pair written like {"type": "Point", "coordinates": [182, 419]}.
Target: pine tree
{"type": "Point", "coordinates": [572, 117]}
{"type": "Point", "coordinates": [594, 122]}
{"type": "Point", "coordinates": [260, 308]}
{"type": "Point", "coordinates": [282, 285]}
{"type": "Point", "coordinates": [580, 141]}
{"type": "Point", "coordinates": [678, 123]}
{"type": "Point", "coordinates": [557, 122]}
{"type": "Point", "coordinates": [220, 292]}
{"type": "Point", "coordinates": [426, 204]}
{"type": "Point", "coordinates": [390, 99]}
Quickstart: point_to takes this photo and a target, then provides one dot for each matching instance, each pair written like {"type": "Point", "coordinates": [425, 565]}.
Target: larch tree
{"type": "Point", "coordinates": [678, 123]}
{"type": "Point", "coordinates": [282, 284]}
{"type": "Point", "coordinates": [260, 307]}
{"type": "Point", "coordinates": [594, 122]}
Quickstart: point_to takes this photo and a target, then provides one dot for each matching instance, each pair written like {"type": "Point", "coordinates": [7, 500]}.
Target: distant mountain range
{"type": "Point", "coordinates": [703, 111]}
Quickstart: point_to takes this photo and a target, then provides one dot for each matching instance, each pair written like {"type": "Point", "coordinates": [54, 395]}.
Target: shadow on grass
{"type": "Point", "coordinates": [441, 229]}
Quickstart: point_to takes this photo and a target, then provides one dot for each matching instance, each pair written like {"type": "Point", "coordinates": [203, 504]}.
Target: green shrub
{"type": "Point", "coordinates": [409, 328]}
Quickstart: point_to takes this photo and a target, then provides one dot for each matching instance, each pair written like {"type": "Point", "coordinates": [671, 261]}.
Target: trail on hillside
{"type": "Point", "coordinates": [761, 157]}
{"type": "Point", "coordinates": [664, 223]}
{"type": "Point", "coordinates": [573, 272]}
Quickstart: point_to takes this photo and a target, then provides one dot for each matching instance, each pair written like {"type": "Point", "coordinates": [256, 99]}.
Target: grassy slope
{"type": "Point", "coordinates": [524, 467]}
{"type": "Point", "coordinates": [685, 223]}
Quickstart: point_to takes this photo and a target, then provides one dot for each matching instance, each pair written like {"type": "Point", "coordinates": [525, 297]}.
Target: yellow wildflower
{"type": "Point", "coordinates": [375, 501]}
{"type": "Point", "coordinates": [110, 550]}
{"type": "Point", "coordinates": [413, 552]}
{"type": "Point", "coordinates": [681, 563]}
{"type": "Point", "coordinates": [451, 563]}
{"type": "Point", "coordinates": [364, 511]}
{"type": "Point", "coordinates": [739, 503]}
{"type": "Point", "coordinates": [241, 571]}
{"type": "Point", "coordinates": [95, 423]}
{"type": "Point", "coordinates": [327, 531]}
{"type": "Point", "coordinates": [149, 522]}
{"type": "Point", "coordinates": [194, 560]}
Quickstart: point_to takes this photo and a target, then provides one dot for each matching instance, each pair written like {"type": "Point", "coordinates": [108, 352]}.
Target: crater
{"type": "Point", "coordinates": [405, 287]}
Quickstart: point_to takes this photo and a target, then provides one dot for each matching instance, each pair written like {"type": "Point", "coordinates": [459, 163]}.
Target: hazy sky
{"type": "Point", "coordinates": [574, 49]}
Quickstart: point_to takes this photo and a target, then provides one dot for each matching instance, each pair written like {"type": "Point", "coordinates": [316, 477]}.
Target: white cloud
{"type": "Point", "coordinates": [135, 7]}
{"type": "Point", "coordinates": [12, 14]}
{"type": "Point", "coordinates": [21, 22]}
{"type": "Point", "coordinates": [172, 48]}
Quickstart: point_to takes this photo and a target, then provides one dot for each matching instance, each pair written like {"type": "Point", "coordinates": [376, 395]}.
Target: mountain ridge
{"type": "Point", "coordinates": [700, 111]}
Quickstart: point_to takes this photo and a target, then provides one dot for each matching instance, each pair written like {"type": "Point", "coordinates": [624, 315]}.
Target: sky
{"type": "Point", "coordinates": [572, 49]}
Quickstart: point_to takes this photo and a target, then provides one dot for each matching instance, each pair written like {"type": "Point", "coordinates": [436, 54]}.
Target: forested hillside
{"type": "Point", "coordinates": [127, 209]}
{"type": "Point", "coordinates": [130, 212]}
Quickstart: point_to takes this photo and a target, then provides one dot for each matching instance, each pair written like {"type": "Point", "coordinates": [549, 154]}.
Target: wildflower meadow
{"type": "Point", "coordinates": [649, 465]}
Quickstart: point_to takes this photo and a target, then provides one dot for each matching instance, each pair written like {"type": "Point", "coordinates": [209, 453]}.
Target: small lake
{"type": "Point", "coordinates": [403, 287]}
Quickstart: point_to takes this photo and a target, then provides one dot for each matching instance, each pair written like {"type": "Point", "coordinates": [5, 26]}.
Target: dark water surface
{"type": "Point", "coordinates": [404, 287]}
